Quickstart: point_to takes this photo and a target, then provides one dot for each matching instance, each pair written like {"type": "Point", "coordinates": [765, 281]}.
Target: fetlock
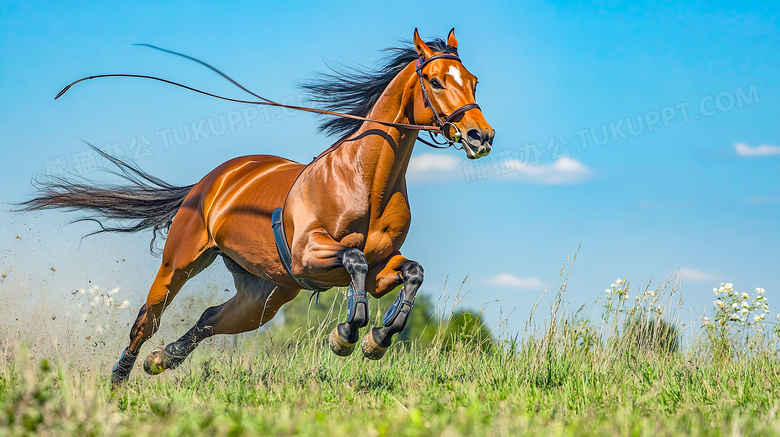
{"type": "Point", "coordinates": [176, 354]}
{"type": "Point", "coordinates": [122, 368]}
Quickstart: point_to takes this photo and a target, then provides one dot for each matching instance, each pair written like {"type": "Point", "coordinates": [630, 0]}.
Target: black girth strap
{"type": "Point", "coordinates": [286, 256]}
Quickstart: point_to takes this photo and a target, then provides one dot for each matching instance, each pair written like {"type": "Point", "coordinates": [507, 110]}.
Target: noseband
{"type": "Point", "coordinates": [447, 122]}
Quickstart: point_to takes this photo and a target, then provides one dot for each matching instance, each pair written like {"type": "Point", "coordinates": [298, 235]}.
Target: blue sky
{"type": "Point", "coordinates": [647, 134]}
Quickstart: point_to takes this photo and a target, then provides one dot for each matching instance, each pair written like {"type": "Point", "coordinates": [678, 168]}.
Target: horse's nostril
{"type": "Point", "coordinates": [475, 135]}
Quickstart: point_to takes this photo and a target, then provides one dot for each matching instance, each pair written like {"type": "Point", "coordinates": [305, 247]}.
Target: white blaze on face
{"type": "Point", "coordinates": [455, 73]}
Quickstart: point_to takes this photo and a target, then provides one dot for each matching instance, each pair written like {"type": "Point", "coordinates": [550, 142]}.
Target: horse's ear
{"type": "Point", "coordinates": [422, 49]}
{"type": "Point", "coordinates": [451, 41]}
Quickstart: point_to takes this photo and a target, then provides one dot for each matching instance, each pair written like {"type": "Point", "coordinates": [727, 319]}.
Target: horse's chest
{"type": "Point", "coordinates": [388, 229]}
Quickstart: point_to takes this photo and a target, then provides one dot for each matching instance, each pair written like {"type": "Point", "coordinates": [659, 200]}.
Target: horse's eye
{"type": "Point", "coordinates": [435, 84]}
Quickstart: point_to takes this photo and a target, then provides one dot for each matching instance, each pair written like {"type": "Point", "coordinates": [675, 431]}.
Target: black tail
{"type": "Point", "coordinates": [143, 200]}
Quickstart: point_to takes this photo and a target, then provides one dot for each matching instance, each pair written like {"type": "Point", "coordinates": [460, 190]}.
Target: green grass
{"type": "Point", "coordinates": [304, 389]}
{"type": "Point", "coordinates": [571, 377]}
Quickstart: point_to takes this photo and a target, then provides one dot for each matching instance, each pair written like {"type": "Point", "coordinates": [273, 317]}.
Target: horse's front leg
{"type": "Point", "coordinates": [324, 253]}
{"type": "Point", "coordinates": [398, 270]}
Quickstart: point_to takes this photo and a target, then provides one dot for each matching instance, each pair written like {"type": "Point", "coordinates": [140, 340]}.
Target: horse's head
{"type": "Point", "coordinates": [447, 91]}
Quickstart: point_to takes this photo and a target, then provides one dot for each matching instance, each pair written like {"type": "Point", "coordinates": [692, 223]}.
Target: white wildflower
{"type": "Point", "coordinates": [745, 295]}
{"type": "Point", "coordinates": [719, 303]}
{"type": "Point", "coordinates": [759, 317]}
{"type": "Point", "coordinates": [744, 311]}
{"type": "Point", "coordinates": [760, 290]}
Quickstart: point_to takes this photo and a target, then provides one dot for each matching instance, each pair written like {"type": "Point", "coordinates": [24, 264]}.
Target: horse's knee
{"type": "Point", "coordinates": [412, 273]}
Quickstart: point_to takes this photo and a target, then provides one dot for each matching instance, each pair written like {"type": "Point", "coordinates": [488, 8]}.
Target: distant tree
{"type": "Point", "coordinates": [466, 329]}
{"type": "Point", "coordinates": [304, 312]}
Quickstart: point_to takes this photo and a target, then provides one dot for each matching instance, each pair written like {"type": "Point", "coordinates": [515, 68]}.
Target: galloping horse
{"type": "Point", "coordinates": [281, 226]}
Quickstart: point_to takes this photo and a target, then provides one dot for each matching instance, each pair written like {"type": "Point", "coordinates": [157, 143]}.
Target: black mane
{"type": "Point", "coordinates": [355, 90]}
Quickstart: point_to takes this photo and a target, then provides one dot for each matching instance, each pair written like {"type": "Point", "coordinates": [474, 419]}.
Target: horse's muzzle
{"type": "Point", "coordinates": [478, 142]}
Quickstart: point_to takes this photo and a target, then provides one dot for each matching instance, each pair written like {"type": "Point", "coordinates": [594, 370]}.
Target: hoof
{"type": "Point", "coordinates": [338, 345]}
{"type": "Point", "coordinates": [157, 362]}
{"type": "Point", "coordinates": [370, 348]}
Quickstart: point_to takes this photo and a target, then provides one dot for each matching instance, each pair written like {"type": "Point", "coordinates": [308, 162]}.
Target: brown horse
{"type": "Point", "coordinates": [343, 217]}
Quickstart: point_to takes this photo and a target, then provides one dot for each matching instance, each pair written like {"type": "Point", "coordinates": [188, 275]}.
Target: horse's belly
{"type": "Point", "coordinates": [238, 212]}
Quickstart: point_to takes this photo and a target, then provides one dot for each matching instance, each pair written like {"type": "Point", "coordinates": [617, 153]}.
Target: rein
{"type": "Point", "coordinates": [440, 128]}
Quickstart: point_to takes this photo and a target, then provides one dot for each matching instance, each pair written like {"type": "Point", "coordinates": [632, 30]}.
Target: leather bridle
{"type": "Point", "coordinates": [443, 125]}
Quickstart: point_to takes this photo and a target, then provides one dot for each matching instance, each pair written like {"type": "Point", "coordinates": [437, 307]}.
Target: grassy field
{"type": "Point", "coordinates": [624, 374]}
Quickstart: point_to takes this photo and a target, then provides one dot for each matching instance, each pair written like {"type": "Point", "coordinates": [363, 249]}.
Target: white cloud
{"type": "Point", "coordinates": [697, 275]}
{"type": "Point", "coordinates": [561, 172]}
{"type": "Point", "coordinates": [436, 167]}
{"type": "Point", "coordinates": [762, 150]}
{"type": "Point", "coordinates": [508, 280]}
{"type": "Point", "coordinates": [432, 168]}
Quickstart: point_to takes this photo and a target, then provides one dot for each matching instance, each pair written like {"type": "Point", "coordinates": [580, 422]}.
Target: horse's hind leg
{"type": "Point", "coordinates": [187, 252]}
{"type": "Point", "coordinates": [256, 302]}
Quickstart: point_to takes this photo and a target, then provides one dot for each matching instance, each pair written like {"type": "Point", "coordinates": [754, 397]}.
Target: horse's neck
{"type": "Point", "coordinates": [379, 154]}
